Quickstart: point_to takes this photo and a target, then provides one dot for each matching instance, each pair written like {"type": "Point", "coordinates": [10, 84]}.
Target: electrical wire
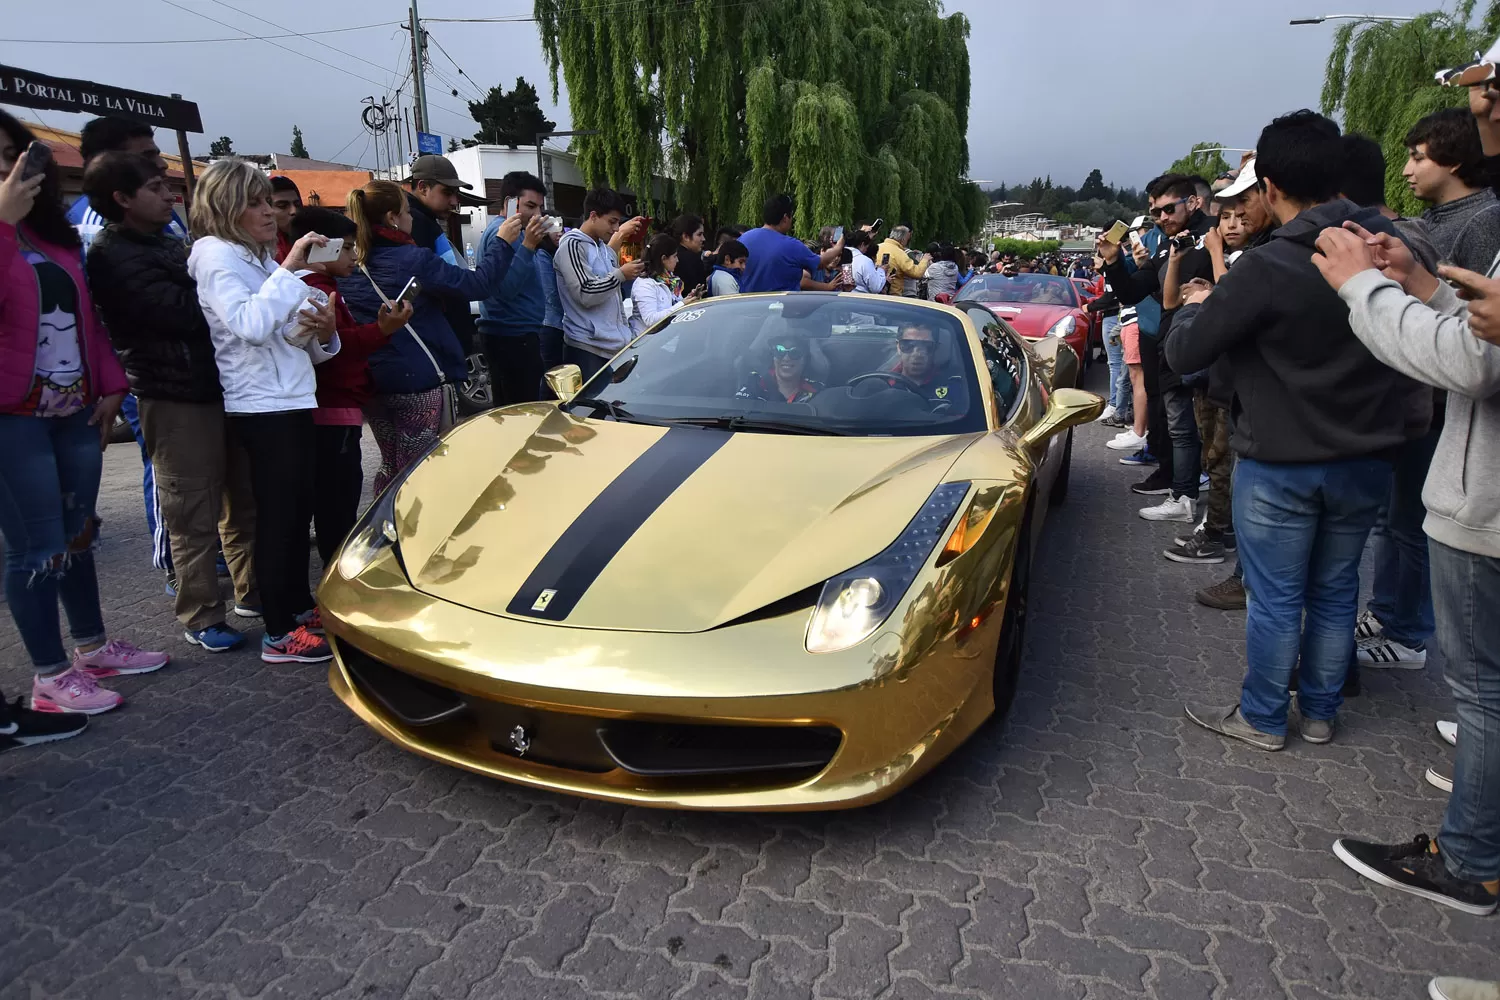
{"type": "Point", "coordinates": [190, 41]}
{"type": "Point", "coordinates": [477, 89]}
{"type": "Point", "coordinates": [603, 7]}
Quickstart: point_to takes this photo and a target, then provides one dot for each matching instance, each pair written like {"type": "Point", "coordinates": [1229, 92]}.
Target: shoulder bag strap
{"type": "Point", "coordinates": [442, 376]}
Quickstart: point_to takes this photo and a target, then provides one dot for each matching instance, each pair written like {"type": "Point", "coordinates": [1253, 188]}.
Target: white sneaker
{"type": "Point", "coordinates": [1109, 411]}
{"type": "Point", "coordinates": [1440, 776]}
{"type": "Point", "coordinates": [1126, 440]}
{"type": "Point", "coordinates": [1367, 626]}
{"type": "Point", "coordinates": [1378, 651]}
{"type": "Point", "coordinates": [1171, 509]}
{"type": "Point", "coordinates": [1448, 732]}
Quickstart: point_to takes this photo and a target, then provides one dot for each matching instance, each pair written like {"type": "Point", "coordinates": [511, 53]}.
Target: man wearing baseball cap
{"type": "Point", "coordinates": [432, 192]}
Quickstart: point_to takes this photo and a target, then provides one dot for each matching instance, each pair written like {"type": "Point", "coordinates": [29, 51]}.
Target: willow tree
{"type": "Point", "coordinates": [1205, 159]}
{"type": "Point", "coordinates": [858, 108]}
{"type": "Point", "coordinates": [1379, 78]}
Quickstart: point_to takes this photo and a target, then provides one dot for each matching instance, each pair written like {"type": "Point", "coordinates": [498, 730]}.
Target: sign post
{"type": "Point", "coordinates": [187, 164]}
{"type": "Point", "coordinates": [429, 143]}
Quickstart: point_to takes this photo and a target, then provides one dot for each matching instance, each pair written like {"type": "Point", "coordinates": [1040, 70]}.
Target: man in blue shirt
{"type": "Point", "coordinates": [778, 260]}
{"type": "Point", "coordinates": [510, 321]}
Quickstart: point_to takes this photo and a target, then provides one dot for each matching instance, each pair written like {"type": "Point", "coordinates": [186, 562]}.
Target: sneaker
{"type": "Point", "coordinates": [246, 610]}
{"type": "Point", "coordinates": [1126, 440]}
{"type": "Point", "coordinates": [1116, 421]}
{"type": "Point", "coordinates": [297, 646]}
{"type": "Point", "coordinates": [171, 587]}
{"type": "Point", "coordinates": [118, 657]}
{"type": "Point", "coordinates": [1448, 732]}
{"type": "Point", "coordinates": [1416, 868]}
{"type": "Point", "coordinates": [312, 620]}
{"type": "Point", "coordinates": [1106, 416]}
{"type": "Point", "coordinates": [1440, 776]}
{"type": "Point", "coordinates": [1367, 626]}
{"type": "Point", "coordinates": [1453, 988]}
{"type": "Point", "coordinates": [1142, 457]}
{"type": "Point", "coordinates": [1154, 485]}
{"type": "Point", "coordinates": [22, 727]}
{"type": "Point", "coordinates": [1226, 595]}
{"type": "Point", "coordinates": [218, 638]}
{"type": "Point", "coordinates": [1378, 651]}
{"type": "Point", "coordinates": [1316, 730]}
{"type": "Point", "coordinates": [1233, 725]}
{"type": "Point", "coordinates": [1204, 483]}
{"type": "Point", "coordinates": [1199, 549]}
{"type": "Point", "coordinates": [74, 691]}
{"type": "Point", "coordinates": [1171, 509]}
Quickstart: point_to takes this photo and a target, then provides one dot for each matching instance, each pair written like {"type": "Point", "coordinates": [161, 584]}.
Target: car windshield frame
{"type": "Point", "coordinates": [975, 289]}
{"type": "Point", "coordinates": [701, 366]}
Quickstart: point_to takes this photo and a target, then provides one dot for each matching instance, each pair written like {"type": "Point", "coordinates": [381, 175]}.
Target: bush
{"type": "Point", "coordinates": [1025, 249]}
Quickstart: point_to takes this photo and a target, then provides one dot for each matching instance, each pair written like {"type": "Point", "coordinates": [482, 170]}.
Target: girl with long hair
{"type": "Point", "coordinates": [411, 370]}
{"type": "Point", "coordinates": [268, 330]}
{"type": "Point", "coordinates": [60, 388]}
{"type": "Point", "coordinates": [659, 290]}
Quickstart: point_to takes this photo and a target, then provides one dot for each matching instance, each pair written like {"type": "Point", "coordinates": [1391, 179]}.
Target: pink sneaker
{"type": "Point", "coordinates": [73, 690]}
{"type": "Point", "coordinates": [118, 657]}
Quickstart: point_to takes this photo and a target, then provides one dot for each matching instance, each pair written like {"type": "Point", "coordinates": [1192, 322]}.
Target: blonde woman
{"type": "Point", "coordinates": [267, 334]}
{"type": "Point", "coordinates": [411, 369]}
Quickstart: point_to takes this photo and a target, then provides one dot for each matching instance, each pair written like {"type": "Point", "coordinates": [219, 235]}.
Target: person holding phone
{"type": "Point", "coordinates": [659, 291]}
{"type": "Point", "coordinates": [60, 388]}
{"type": "Point", "coordinates": [692, 269]}
{"type": "Point", "coordinates": [511, 320]}
{"type": "Point", "coordinates": [268, 331]}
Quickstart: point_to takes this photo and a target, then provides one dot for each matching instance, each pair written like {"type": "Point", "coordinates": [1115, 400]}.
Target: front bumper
{"type": "Point", "coordinates": [892, 706]}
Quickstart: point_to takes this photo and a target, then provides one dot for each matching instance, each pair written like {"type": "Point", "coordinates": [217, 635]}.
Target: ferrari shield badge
{"type": "Point", "coordinates": [543, 599]}
{"type": "Point", "coordinates": [941, 392]}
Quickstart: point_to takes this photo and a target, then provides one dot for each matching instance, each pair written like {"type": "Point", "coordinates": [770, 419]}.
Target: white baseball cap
{"type": "Point", "coordinates": [1244, 182]}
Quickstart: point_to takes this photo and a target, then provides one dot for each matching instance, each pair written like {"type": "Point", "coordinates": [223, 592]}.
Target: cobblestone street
{"type": "Point", "coordinates": [234, 832]}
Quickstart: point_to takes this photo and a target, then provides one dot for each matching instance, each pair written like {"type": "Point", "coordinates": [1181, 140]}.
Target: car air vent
{"type": "Point", "coordinates": [656, 749]}
{"type": "Point", "coordinates": [802, 600]}
{"type": "Point", "coordinates": [412, 700]}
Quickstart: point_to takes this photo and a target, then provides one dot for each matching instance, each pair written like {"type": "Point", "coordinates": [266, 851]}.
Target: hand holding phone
{"type": "Point", "coordinates": [18, 193]}
{"type": "Point", "coordinates": [1115, 233]}
{"type": "Point", "coordinates": [326, 253]}
{"type": "Point", "coordinates": [410, 292]}
{"type": "Point", "coordinates": [38, 159]}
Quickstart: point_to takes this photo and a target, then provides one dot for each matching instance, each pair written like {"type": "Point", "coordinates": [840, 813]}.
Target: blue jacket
{"type": "Point", "coordinates": [1148, 310]}
{"type": "Point", "coordinates": [401, 366]}
{"type": "Point", "coordinates": [546, 276]}
{"type": "Point", "coordinates": [518, 307]}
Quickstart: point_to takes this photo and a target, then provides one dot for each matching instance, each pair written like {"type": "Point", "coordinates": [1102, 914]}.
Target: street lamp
{"type": "Point", "coordinates": [1349, 17]}
{"type": "Point", "coordinates": [551, 201]}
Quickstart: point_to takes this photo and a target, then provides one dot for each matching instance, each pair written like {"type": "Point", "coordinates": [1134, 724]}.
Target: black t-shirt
{"type": "Point", "coordinates": [691, 268]}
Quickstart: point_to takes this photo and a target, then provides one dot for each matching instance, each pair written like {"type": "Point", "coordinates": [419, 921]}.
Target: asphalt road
{"type": "Point", "coordinates": [233, 832]}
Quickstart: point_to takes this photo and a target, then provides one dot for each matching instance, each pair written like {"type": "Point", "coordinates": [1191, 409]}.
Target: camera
{"type": "Point", "coordinates": [1184, 242]}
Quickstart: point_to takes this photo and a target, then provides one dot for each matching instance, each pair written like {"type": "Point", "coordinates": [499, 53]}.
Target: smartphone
{"type": "Point", "coordinates": [411, 291]}
{"type": "Point", "coordinates": [38, 158]}
{"type": "Point", "coordinates": [878, 223]}
{"type": "Point", "coordinates": [1116, 233]}
{"type": "Point", "coordinates": [885, 260]}
{"type": "Point", "coordinates": [512, 206]}
{"type": "Point", "coordinates": [838, 233]}
{"type": "Point", "coordinates": [1135, 238]}
{"type": "Point", "coordinates": [326, 254]}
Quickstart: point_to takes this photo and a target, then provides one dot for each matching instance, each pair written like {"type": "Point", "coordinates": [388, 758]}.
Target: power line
{"type": "Point", "coordinates": [190, 41]}
{"type": "Point", "coordinates": [477, 89]}
{"type": "Point", "coordinates": [283, 27]}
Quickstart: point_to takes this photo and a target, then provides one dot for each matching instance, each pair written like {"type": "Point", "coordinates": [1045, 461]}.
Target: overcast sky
{"type": "Point", "coordinates": [1059, 88]}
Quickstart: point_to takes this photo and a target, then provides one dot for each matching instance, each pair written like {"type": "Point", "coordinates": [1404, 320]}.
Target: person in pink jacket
{"type": "Point", "coordinates": [60, 388]}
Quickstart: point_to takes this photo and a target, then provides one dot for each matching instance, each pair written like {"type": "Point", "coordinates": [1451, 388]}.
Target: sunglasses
{"type": "Point", "coordinates": [1161, 211]}
{"type": "Point", "coordinates": [789, 351]}
{"type": "Point", "coordinates": [907, 345]}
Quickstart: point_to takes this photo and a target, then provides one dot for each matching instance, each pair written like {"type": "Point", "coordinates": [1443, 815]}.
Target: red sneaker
{"type": "Point", "coordinates": [297, 646]}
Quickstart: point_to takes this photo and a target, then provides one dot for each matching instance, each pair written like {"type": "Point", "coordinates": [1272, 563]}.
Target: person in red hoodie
{"type": "Point", "coordinates": [344, 385]}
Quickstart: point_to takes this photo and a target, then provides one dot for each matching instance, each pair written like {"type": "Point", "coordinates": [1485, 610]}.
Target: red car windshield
{"type": "Point", "coordinates": [1042, 289]}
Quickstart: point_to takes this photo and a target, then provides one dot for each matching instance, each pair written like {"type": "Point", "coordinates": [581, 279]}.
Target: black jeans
{"type": "Point", "coordinates": [340, 478]}
{"type": "Point", "coordinates": [515, 367]}
{"type": "Point", "coordinates": [1158, 438]}
{"type": "Point", "coordinates": [554, 352]}
{"type": "Point", "coordinates": [283, 452]}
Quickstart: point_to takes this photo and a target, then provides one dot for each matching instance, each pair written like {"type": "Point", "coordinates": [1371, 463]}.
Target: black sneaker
{"type": "Point", "coordinates": [21, 727]}
{"type": "Point", "coordinates": [1199, 549]}
{"type": "Point", "coordinates": [1416, 868]}
{"type": "Point", "coordinates": [1153, 485]}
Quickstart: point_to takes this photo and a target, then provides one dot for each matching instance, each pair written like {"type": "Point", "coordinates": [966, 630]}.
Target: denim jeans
{"type": "Point", "coordinates": [49, 482]}
{"type": "Point", "coordinates": [1402, 597]}
{"type": "Point", "coordinates": [1187, 448]}
{"type": "Point", "coordinates": [1114, 350]}
{"type": "Point", "coordinates": [1301, 529]}
{"type": "Point", "coordinates": [1466, 592]}
{"type": "Point", "coordinates": [587, 361]}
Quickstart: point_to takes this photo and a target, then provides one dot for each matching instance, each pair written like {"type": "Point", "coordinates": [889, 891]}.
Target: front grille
{"type": "Point", "coordinates": [413, 700]}
{"type": "Point", "coordinates": [658, 749]}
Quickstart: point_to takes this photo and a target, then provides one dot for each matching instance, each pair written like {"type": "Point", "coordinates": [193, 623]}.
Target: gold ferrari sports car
{"type": "Point", "coordinates": [773, 556]}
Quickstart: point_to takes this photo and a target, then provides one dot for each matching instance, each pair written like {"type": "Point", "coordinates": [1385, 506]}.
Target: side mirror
{"type": "Point", "coordinates": [565, 381]}
{"type": "Point", "coordinates": [1066, 408]}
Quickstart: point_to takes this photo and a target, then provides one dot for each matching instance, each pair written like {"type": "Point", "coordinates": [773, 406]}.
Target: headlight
{"type": "Point", "coordinates": [1062, 327]}
{"type": "Point", "coordinates": [855, 603]}
{"type": "Point", "coordinates": [375, 531]}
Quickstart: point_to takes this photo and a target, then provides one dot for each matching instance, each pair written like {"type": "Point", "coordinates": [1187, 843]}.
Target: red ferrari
{"type": "Point", "coordinates": [1036, 305]}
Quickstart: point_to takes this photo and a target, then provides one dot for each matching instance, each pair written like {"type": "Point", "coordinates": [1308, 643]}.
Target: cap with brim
{"type": "Point", "coordinates": [438, 170]}
{"type": "Point", "coordinates": [1244, 182]}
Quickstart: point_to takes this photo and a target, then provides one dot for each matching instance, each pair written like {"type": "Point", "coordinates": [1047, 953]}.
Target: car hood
{"type": "Point", "coordinates": [1029, 318]}
{"type": "Point", "coordinates": [703, 529]}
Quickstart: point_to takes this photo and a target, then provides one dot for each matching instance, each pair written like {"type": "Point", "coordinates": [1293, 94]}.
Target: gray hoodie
{"type": "Point", "coordinates": [1431, 342]}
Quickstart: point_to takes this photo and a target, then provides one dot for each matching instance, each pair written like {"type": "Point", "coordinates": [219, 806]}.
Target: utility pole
{"type": "Point", "coordinates": [419, 84]}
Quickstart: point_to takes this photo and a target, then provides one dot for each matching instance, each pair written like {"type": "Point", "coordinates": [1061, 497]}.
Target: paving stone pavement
{"type": "Point", "coordinates": [235, 833]}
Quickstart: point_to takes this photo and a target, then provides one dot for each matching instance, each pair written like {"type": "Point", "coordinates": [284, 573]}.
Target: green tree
{"type": "Point", "coordinates": [299, 148]}
{"type": "Point", "coordinates": [857, 108]}
{"type": "Point", "coordinates": [512, 119]}
{"type": "Point", "coordinates": [1093, 186]}
{"type": "Point", "coordinates": [222, 146]}
{"type": "Point", "coordinates": [1203, 160]}
{"type": "Point", "coordinates": [1379, 78]}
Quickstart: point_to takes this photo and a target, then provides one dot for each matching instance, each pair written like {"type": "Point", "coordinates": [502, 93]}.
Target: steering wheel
{"type": "Point", "coordinates": [903, 382]}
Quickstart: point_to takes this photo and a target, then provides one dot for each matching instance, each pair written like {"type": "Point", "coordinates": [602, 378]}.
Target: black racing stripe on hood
{"type": "Point", "coordinates": [582, 551]}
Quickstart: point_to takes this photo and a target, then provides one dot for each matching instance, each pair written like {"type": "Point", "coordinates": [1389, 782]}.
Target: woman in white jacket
{"type": "Point", "coordinates": [268, 329]}
{"type": "Point", "coordinates": [658, 291]}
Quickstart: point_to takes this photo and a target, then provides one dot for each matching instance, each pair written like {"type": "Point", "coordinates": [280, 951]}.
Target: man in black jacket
{"type": "Point", "coordinates": [1178, 212]}
{"type": "Point", "coordinates": [139, 280]}
{"type": "Point", "coordinates": [1316, 419]}
{"type": "Point", "coordinates": [432, 193]}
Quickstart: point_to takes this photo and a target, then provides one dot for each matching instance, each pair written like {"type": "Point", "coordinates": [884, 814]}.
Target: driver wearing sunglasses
{"type": "Point", "coordinates": [917, 347]}
{"type": "Point", "coordinates": [785, 380]}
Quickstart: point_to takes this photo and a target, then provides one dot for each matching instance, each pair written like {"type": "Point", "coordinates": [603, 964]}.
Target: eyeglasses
{"type": "Point", "coordinates": [906, 345]}
{"type": "Point", "coordinates": [789, 351]}
{"type": "Point", "coordinates": [1161, 211]}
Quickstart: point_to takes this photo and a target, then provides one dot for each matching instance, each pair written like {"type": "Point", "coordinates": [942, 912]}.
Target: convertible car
{"type": "Point", "coordinates": [1037, 305]}
{"type": "Point", "coordinates": [773, 556]}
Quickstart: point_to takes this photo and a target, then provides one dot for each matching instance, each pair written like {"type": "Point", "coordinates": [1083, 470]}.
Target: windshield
{"type": "Point", "coordinates": [1044, 289]}
{"type": "Point", "coordinates": [804, 362]}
